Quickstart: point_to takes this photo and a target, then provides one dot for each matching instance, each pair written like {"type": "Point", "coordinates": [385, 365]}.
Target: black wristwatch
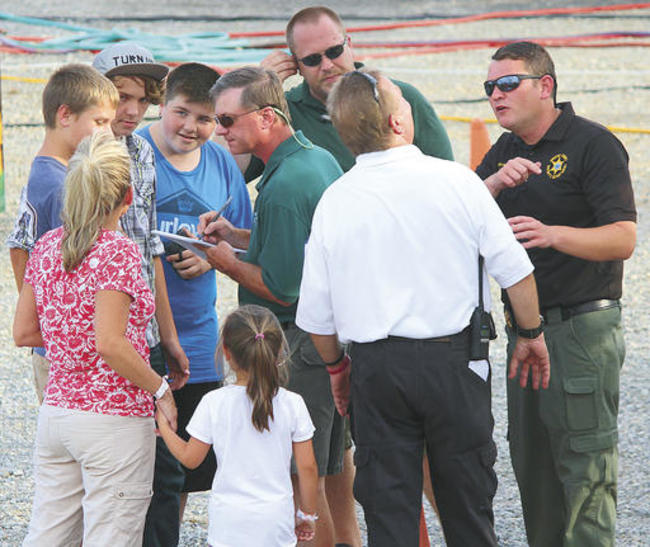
{"type": "Point", "coordinates": [532, 333]}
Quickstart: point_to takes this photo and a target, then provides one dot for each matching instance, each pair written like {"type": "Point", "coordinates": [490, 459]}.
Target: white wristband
{"type": "Point", "coordinates": [164, 386]}
{"type": "Point", "coordinates": [306, 516]}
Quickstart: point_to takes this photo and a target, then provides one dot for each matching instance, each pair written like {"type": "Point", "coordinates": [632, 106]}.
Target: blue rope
{"type": "Point", "coordinates": [208, 47]}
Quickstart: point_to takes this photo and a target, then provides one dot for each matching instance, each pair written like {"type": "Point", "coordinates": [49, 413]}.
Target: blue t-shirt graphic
{"type": "Point", "coordinates": [181, 196]}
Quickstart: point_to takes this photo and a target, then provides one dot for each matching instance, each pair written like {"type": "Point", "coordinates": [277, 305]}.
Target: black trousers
{"type": "Point", "coordinates": [406, 393]}
{"type": "Point", "coordinates": [162, 524]}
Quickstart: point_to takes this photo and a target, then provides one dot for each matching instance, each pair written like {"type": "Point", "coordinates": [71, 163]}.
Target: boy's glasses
{"type": "Point", "coordinates": [507, 83]}
{"type": "Point", "coordinates": [331, 53]}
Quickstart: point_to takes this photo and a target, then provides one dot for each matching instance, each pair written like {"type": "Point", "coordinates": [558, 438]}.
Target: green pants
{"type": "Point", "coordinates": [563, 440]}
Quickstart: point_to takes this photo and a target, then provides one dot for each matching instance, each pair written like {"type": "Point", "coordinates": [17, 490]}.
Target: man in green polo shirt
{"type": "Point", "coordinates": [321, 53]}
{"type": "Point", "coordinates": [254, 118]}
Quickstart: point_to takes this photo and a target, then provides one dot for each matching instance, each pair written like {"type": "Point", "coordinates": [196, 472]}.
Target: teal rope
{"type": "Point", "coordinates": [208, 47]}
{"type": "Point", "coordinates": [41, 22]}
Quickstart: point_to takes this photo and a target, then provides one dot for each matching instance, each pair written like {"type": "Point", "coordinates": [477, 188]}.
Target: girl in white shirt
{"type": "Point", "coordinates": [254, 427]}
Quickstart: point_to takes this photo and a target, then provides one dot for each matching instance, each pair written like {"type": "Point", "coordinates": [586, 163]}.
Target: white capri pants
{"type": "Point", "coordinates": [93, 478]}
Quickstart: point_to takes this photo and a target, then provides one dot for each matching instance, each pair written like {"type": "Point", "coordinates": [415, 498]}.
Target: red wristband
{"type": "Point", "coordinates": [345, 363]}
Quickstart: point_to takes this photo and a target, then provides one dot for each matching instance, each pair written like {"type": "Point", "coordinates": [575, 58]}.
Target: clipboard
{"type": "Point", "coordinates": [190, 243]}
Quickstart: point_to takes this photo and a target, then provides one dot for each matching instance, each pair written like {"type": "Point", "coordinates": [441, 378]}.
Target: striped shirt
{"type": "Point", "coordinates": [140, 218]}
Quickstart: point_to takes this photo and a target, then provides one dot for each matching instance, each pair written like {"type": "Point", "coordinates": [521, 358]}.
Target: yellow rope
{"type": "Point", "coordinates": [23, 79]}
{"type": "Point", "coordinates": [612, 128]}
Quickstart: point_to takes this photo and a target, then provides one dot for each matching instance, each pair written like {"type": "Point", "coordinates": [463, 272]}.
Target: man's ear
{"type": "Point", "coordinates": [547, 86]}
{"type": "Point", "coordinates": [268, 116]}
{"type": "Point", "coordinates": [295, 60]}
{"type": "Point", "coordinates": [395, 123]}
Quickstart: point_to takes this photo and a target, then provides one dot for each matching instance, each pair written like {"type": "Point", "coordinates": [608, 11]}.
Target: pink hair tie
{"type": "Point", "coordinates": [259, 336]}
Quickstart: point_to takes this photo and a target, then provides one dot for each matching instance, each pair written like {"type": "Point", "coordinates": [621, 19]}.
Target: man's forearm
{"type": "Point", "coordinates": [614, 241]}
{"type": "Point", "coordinates": [239, 238]}
{"type": "Point", "coordinates": [250, 276]}
{"type": "Point", "coordinates": [493, 184]}
{"type": "Point", "coordinates": [327, 345]}
{"type": "Point", "coordinates": [524, 302]}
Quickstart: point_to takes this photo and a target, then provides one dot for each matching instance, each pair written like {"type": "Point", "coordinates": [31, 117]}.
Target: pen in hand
{"type": "Point", "coordinates": [217, 214]}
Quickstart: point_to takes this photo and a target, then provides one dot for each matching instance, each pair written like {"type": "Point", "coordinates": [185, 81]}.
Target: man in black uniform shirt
{"type": "Point", "coordinates": [563, 183]}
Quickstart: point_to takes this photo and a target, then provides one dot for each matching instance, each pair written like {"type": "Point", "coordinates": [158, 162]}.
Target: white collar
{"type": "Point", "coordinates": [397, 153]}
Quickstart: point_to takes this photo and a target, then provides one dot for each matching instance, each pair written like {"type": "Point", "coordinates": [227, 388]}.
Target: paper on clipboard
{"type": "Point", "coordinates": [190, 243]}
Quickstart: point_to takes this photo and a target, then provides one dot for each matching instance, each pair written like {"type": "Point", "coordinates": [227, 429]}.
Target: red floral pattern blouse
{"type": "Point", "coordinates": [79, 378]}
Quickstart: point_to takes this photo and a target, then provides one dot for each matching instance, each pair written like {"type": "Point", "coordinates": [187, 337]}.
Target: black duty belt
{"type": "Point", "coordinates": [438, 339]}
{"type": "Point", "coordinates": [459, 336]}
{"type": "Point", "coordinates": [559, 313]}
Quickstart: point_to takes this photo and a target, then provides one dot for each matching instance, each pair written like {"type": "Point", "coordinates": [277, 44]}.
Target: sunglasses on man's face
{"type": "Point", "coordinates": [331, 53]}
{"type": "Point", "coordinates": [226, 120]}
{"type": "Point", "coordinates": [507, 83]}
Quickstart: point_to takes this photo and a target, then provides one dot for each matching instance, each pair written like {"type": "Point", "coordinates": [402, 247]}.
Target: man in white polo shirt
{"type": "Point", "coordinates": [392, 266]}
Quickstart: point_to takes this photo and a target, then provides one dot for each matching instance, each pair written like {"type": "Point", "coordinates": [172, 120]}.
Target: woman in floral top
{"type": "Point", "coordinates": [85, 301]}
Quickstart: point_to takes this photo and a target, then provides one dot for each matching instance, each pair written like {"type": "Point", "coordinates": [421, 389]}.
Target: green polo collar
{"type": "Point", "coordinates": [284, 150]}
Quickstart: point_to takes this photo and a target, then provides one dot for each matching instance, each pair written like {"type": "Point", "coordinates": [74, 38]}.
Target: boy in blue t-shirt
{"type": "Point", "coordinates": [77, 100]}
{"type": "Point", "coordinates": [194, 175]}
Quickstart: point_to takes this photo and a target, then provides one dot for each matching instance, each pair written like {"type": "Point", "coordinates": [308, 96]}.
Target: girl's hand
{"type": "Point", "coordinates": [305, 529]}
{"type": "Point", "coordinates": [166, 410]}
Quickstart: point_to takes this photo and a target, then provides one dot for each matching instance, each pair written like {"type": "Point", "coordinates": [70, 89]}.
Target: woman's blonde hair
{"type": "Point", "coordinates": [256, 342]}
{"type": "Point", "coordinates": [97, 181]}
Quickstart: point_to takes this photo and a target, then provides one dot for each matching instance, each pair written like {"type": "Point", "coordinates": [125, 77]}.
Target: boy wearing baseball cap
{"type": "Point", "coordinates": [140, 82]}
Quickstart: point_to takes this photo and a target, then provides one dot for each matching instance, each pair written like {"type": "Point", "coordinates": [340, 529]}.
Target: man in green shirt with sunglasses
{"type": "Point", "coordinates": [321, 52]}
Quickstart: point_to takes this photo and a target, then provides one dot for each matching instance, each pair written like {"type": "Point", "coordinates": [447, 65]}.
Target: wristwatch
{"type": "Point", "coordinates": [531, 333]}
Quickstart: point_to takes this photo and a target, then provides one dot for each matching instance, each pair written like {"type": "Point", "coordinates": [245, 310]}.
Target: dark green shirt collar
{"type": "Point", "coordinates": [285, 149]}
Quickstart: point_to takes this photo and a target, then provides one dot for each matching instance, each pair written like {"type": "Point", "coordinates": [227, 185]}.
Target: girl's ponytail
{"type": "Point", "coordinates": [256, 342]}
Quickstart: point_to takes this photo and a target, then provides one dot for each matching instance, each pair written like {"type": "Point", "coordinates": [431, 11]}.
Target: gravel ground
{"type": "Point", "coordinates": [611, 85]}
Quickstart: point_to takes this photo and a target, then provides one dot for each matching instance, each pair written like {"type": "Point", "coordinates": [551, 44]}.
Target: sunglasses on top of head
{"type": "Point", "coordinates": [507, 83]}
{"type": "Point", "coordinates": [331, 53]}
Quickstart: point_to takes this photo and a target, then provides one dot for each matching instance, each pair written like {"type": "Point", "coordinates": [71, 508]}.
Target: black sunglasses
{"type": "Point", "coordinates": [507, 83]}
{"type": "Point", "coordinates": [331, 53]}
{"type": "Point", "coordinates": [226, 120]}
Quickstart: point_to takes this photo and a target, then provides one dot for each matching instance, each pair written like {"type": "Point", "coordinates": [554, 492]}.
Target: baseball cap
{"type": "Point", "coordinates": [128, 59]}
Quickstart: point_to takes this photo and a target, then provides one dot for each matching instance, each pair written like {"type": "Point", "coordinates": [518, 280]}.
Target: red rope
{"type": "Point", "coordinates": [450, 48]}
{"type": "Point", "coordinates": [466, 19]}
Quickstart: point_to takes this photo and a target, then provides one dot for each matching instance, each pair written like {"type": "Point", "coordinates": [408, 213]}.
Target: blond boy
{"type": "Point", "coordinates": [77, 100]}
